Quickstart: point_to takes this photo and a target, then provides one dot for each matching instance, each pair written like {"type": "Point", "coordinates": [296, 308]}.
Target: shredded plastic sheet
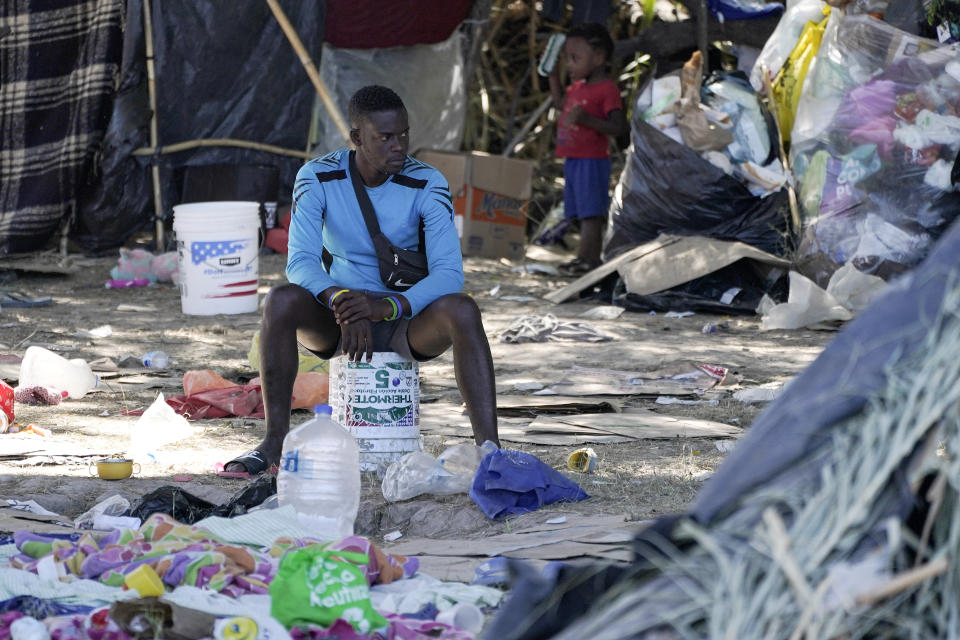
{"type": "Point", "coordinates": [873, 146]}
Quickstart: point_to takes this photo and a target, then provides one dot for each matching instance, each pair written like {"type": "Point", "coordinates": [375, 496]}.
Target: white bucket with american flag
{"type": "Point", "coordinates": [218, 256]}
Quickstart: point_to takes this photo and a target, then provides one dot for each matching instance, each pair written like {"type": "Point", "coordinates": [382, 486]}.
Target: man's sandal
{"type": "Point", "coordinates": [253, 461]}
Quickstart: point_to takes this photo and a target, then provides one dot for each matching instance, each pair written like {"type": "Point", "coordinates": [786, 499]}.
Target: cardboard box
{"type": "Point", "coordinates": [490, 198]}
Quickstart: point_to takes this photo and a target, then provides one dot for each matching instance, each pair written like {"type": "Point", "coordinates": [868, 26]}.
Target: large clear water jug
{"type": "Point", "coordinates": [43, 367]}
{"type": "Point", "coordinates": [320, 476]}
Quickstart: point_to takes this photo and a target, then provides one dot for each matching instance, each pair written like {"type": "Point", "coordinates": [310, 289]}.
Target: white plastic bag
{"type": "Point", "coordinates": [157, 427]}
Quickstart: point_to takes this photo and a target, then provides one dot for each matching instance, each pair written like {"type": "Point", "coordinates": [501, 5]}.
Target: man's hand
{"type": "Point", "coordinates": [357, 340]}
{"type": "Point", "coordinates": [354, 312]}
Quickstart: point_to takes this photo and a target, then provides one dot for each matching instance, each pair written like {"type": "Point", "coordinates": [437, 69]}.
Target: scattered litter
{"type": "Point", "coordinates": [137, 308]}
{"type": "Point", "coordinates": [494, 292]}
{"type": "Point", "coordinates": [674, 400]}
{"type": "Point", "coordinates": [30, 429]}
{"type": "Point", "coordinates": [105, 413]}
{"type": "Point", "coordinates": [702, 475]}
{"type": "Point", "coordinates": [104, 331]}
{"type": "Point", "coordinates": [583, 460]}
{"type": "Point", "coordinates": [536, 267]}
{"type": "Point", "coordinates": [115, 505]}
{"type": "Point", "coordinates": [155, 360]}
{"type": "Point", "coordinates": [30, 506]}
{"type": "Point", "coordinates": [714, 327]}
{"type": "Point", "coordinates": [557, 520]}
{"type": "Point", "coordinates": [157, 427]}
{"type": "Point", "coordinates": [418, 472]}
{"type": "Point", "coordinates": [756, 394]}
{"type": "Point", "coordinates": [607, 312]}
{"type": "Point", "coordinates": [38, 394]}
{"type": "Point", "coordinates": [140, 264]}
{"type": "Point", "coordinates": [126, 283]}
{"type": "Point", "coordinates": [463, 615]}
{"type": "Point", "coordinates": [104, 522]}
{"type": "Point", "coordinates": [848, 292]}
{"type": "Point", "coordinates": [548, 328]}
{"type": "Point", "coordinates": [393, 535]}
{"type": "Point", "coordinates": [182, 478]}
{"type": "Point", "coordinates": [725, 446]}
{"type": "Point", "coordinates": [679, 314]}
{"type": "Point", "coordinates": [519, 298]}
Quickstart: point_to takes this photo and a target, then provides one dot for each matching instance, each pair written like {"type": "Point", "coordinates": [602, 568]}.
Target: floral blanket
{"type": "Point", "coordinates": [187, 555]}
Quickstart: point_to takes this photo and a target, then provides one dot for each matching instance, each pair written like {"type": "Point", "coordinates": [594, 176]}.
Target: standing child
{"type": "Point", "coordinates": [591, 111]}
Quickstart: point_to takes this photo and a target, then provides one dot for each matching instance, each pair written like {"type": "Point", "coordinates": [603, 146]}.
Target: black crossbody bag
{"type": "Point", "coordinates": [400, 269]}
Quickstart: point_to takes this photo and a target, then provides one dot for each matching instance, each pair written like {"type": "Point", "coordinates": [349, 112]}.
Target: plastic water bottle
{"type": "Point", "coordinates": [43, 367]}
{"type": "Point", "coordinates": [155, 360]}
{"type": "Point", "coordinates": [320, 476]}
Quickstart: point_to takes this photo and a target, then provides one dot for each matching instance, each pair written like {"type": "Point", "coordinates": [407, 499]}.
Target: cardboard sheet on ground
{"type": "Point", "coordinates": [637, 424]}
{"type": "Point", "coordinates": [667, 262]}
{"type": "Point", "coordinates": [444, 419]}
{"type": "Point", "coordinates": [582, 536]}
{"type": "Point", "coordinates": [12, 520]}
{"type": "Point", "coordinates": [681, 379]}
{"type": "Point", "coordinates": [511, 430]}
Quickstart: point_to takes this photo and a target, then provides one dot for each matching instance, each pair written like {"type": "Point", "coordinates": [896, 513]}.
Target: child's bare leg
{"type": "Point", "coordinates": [591, 239]}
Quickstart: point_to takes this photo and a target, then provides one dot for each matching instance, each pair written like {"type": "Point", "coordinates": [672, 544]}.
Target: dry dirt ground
{"type": "Point", "coordinates": [640, 479]}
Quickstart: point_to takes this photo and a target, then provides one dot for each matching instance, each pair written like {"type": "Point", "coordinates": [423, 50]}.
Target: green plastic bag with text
{"type": "Point", "coordinates": [318, 585]}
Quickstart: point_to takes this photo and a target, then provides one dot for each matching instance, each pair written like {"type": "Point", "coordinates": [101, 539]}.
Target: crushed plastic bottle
{"type": "Point", "coordinates": [418, 472]}
{"type": "Point", "coordinates": [155, 360]}
{"type": "Point", "coordinates": [320, 476]}
{"type": "Point", "coordinates": [43, 367]}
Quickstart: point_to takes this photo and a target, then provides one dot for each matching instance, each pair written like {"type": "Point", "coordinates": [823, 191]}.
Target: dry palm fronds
{"type": "Point", "coordinates": [861, 538]}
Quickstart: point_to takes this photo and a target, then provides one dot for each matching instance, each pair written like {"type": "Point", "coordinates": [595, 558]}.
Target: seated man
{"type": "Point", "coordinates": [341, 306]}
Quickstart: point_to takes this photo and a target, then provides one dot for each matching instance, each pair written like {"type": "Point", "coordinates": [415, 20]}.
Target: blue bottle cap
{"type": "Point", "coordinates": [323, 408]}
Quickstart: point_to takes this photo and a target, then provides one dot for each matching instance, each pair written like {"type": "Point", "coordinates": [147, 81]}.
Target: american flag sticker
{"type": "Point", "coordinates": [201, 252]}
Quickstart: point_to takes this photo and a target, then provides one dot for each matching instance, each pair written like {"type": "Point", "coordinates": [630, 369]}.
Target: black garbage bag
{"type": "Point", "coordinates": [173, 501]}
{"type": "Point", "coordinates": [251, 495]}
{"type": "Point", "coordinates": [667, 187]}
{"type": "Point", "coordinates": [737, 284]}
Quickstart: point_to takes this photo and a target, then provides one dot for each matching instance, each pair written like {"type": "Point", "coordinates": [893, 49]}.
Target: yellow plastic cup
{"type": "Point", "coordinates": [145, 581]}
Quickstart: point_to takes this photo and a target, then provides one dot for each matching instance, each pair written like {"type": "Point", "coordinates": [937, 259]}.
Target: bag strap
{"type": "Point", "coordinates": [366, 207]}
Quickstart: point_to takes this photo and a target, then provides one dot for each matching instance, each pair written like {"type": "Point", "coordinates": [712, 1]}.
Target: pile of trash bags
{"type": "Point", "coordinates": [874, 148]}
{"type": "Point", "coordinates": [704, 160]}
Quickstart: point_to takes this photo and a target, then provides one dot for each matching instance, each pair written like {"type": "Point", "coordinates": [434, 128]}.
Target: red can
{"type": "Point", "coordinates": [6, 400]}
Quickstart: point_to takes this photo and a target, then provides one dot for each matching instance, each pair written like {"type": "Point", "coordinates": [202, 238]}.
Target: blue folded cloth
{"type": "Point", "coordinates": [510, 482]}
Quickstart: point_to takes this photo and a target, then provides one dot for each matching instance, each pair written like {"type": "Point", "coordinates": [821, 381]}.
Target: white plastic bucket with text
{"type": "Point", "coordinates": [218, 256]}
{"type": "Point", "coordinates": [379, 403]}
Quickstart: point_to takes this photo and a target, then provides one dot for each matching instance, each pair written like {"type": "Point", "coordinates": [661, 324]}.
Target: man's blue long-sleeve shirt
{"type": "Point", "coordinates": [326, 214]}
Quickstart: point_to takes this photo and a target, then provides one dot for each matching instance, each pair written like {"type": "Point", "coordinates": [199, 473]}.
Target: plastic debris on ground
{"type": "Point", "coordinates": [136, 264]}
{"type": "Point", "coordinates": [418, 472]}
{"type": "Point", "coordinates": [157, 427]}
{"type": "Point", "coordinates": [848, 292]}
{"type": "Point", "coordinates": [510, 482]}
{"type": "Point", "coordinates": [547, 328]}
{"type": "Point", "coordinates": [873, 148]}
{"type": "Point", "coordinates": [757, 394]}
{"type": "Point", "coordinates": [115, 505]}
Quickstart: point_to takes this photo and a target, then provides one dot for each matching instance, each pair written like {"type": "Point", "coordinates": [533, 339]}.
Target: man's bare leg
{"type": "Point", "coordinates": [455, 320]}
{"type": "Point", "coordinates": [290, 313]}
